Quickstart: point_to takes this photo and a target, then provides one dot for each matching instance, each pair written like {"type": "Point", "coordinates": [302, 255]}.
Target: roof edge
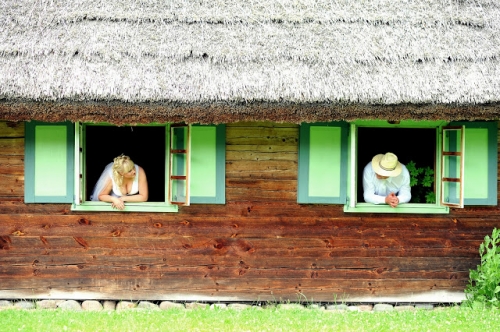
{"type": "Point", "coordinates": [120, 113]}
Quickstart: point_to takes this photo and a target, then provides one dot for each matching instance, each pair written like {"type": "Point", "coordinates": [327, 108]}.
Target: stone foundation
{"type": "Point", "coordinates": [108, 305]}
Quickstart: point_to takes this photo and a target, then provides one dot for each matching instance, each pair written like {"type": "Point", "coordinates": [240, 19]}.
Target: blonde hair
{"type": "Point", "coordinates": [121, 165]}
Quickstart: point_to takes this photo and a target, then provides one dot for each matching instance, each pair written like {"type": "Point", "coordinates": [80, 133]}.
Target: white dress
{"type": "Point", "coordinates": [108, 173]}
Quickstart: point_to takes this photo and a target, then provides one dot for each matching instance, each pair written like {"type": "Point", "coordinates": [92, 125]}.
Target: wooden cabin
{"type": "Point", "coordinates": [253, 121]}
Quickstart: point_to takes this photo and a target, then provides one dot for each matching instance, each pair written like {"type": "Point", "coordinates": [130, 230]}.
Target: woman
{"type": "Point", "coordinates": [121, 181]}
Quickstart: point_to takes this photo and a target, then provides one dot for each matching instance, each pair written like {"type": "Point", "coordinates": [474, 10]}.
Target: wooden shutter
{"type": "Point", "coordinates": [208, 164]}
{"type": "Point", "coordinates": [49, 162]}
{"type": "Point", "coordinates": [180, 149]}
{"type": "Point", "coordinates": [480, 162]}
{"type": "Point", "coordinates": [322, 163]}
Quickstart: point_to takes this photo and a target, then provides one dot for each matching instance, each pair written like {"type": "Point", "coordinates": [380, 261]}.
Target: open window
{"type": "Point", "coordinates": [98, 144]}
{"type": "Point", "coordinates": [414, 147]}
{"type": "Point", "coordinates": [453, 176]}
{"type": "Point", "coordinates": [135, 142]}
{"type": "Point", "coordinates": [184, 164]}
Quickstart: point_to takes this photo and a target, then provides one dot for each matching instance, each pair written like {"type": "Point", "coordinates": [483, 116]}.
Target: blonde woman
{"type": "Point", "coordinates": [121, 181]}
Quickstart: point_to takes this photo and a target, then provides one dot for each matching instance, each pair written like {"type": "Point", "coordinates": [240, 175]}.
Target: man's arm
{"type": "Point", "coordinates": [369, 187]}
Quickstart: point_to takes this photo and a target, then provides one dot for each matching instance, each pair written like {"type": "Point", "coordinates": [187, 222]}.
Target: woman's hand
{"type": "Point", "coordinates": [117, 203]}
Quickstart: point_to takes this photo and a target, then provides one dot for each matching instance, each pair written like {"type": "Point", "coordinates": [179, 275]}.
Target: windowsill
{"type": "Point", "coordinates": [402, 208]}
{"type": "Point", "coordinates": [129, 207]}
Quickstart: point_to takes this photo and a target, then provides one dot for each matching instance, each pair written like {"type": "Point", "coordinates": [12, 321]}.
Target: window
{"type": "Point", "coordinates": [463, 157]}
{"type": "Point", "coordinates": [411, 145]}
{"type": "Point", "coordinates": [135, 142]}
{"type": "Point", "coordinates": [184, 164]}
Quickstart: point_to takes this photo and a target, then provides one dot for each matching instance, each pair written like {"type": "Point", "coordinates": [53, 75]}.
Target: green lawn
{"type": "Point", "coordinates": [448, 319]}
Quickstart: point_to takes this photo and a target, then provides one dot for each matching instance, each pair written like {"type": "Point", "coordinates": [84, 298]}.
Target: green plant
{"type": "Point", "coordinates": [484, 284]}
{"type": "Point", "coordinates": [421, 183]}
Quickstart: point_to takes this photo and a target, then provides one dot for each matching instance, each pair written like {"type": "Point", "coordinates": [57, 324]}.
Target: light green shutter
{"type": "Point", "coordinates": [208, 164]}
{"type": "Point", "coordinates": [49, 166]}
{"type": "Point", "coordinates": [481, 160]}
{"type": "Point", "coordinates": [323, 163]}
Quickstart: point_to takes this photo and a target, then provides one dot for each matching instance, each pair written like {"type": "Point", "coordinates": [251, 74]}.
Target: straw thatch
{"type": "Point", "coordinates": [231, 60]}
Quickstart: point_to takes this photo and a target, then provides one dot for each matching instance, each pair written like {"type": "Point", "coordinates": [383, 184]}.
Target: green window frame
{"type": "Point", "coordinates": [49, 162]}
{"type": "Point", "coordinates": [352, 205]}
{"type": "Point", "coordinates": [452, 166]}
{"type": "Point", "coordinates": [322, 177]}
{"type": "Point", "coordinates": [207, 142]}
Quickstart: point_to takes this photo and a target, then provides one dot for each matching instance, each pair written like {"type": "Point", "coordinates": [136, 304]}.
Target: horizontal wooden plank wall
{"type": "Point", "coordinates": [261, 245]}
{"type": "Point", "coordinates": [11, 161]}
{"type": "Point", "coordinates": [261, 162]}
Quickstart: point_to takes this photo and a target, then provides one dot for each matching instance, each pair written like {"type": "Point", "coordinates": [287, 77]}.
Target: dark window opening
{"type": "Point", "coordinates": [144, 145]}
{"type": "Point", "coordinates": [409, 144]}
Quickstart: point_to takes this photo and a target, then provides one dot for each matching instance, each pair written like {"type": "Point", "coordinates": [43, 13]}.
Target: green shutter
{"type": "Point", "coordinates": [481, 160]}
{"type": "Point", "coordinates": [49, 166]}
{"type": "Point", "coordinates": [208, 164]}
{"type": "Point", "coordinates": [323, 163]}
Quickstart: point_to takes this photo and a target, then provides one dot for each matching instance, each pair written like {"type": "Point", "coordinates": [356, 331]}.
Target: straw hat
{"type": "Point", "coordinates": [386, 164]}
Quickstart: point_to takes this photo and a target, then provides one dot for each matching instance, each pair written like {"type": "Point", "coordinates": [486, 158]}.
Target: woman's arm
{"type": "Point", "coordinates": [142, 196]}
{"type": "Point", "coordinates": [105, 196]}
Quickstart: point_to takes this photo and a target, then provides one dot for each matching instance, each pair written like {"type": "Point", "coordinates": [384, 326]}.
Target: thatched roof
{"type": "Point", "coordinates": [230, 60]}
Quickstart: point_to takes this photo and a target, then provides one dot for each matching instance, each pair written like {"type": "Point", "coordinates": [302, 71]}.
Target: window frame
{"type": "Point", "coordinates": [451, 177]}
{"type": "Point", "coordinates": [179, 150]}
{"type": "Point", "coordinates": [79, 204]}
{"type": "Point", "coordinates": [362, 207]}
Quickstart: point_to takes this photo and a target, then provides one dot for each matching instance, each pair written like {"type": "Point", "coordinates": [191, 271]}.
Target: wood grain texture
{"type": "Point", "coordinates": [259, 246]}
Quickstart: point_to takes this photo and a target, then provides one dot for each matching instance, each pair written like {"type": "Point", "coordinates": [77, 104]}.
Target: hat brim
{"type": "Point", "coordinates": [380, 171]}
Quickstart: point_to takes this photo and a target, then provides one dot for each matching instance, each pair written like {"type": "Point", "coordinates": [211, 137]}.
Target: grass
{"type": "Point", "coordinates": [449, 319]}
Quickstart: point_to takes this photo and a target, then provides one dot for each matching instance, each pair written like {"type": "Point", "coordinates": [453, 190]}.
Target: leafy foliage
{"type": "Point", "coordinates": [421, 183]}
{"type": "Point", "coordinates": [484, 283]}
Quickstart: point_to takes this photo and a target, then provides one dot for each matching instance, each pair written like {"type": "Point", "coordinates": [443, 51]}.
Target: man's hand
{"type": "Point", "coordinates": [392, 200]}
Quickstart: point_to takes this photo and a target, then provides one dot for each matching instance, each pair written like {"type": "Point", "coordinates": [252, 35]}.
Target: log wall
{"type": "Point", "coordinates": [261, 245]}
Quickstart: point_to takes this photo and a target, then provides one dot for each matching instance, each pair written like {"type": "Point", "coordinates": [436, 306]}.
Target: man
{"type": "Point", "coordinates": [386, 180]}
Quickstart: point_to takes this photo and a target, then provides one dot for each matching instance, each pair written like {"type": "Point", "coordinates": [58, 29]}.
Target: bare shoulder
{"type": "Point", "coordinates": [141, 170]}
